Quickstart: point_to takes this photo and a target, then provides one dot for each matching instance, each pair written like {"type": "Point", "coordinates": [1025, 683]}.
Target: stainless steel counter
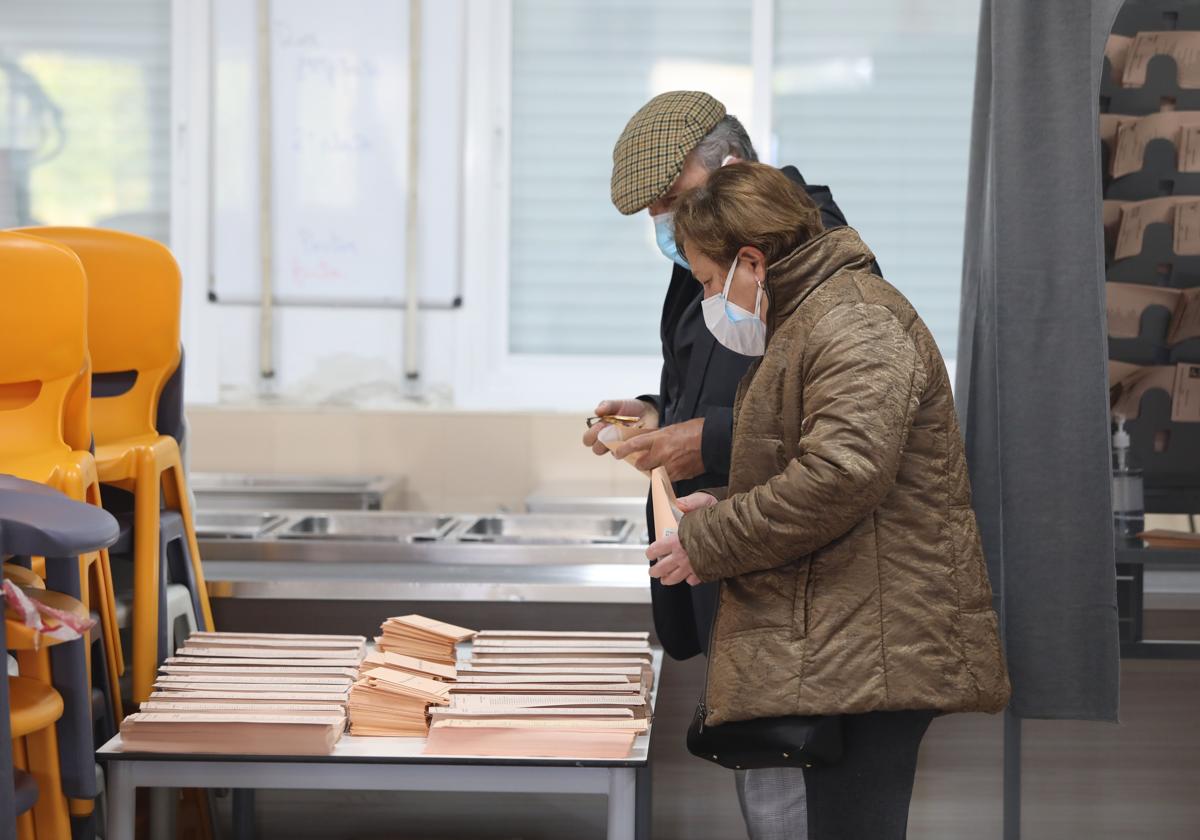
{"type": "Point", "coordinates": [451, 566]}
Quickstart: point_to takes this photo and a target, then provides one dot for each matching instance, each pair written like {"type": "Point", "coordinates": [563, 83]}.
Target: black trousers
{"type": "Point", "coordinates": [866, 795]}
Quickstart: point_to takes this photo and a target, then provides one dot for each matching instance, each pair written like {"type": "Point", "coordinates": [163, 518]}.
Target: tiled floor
{"type": "Point", "coordinates": [1138, 779]}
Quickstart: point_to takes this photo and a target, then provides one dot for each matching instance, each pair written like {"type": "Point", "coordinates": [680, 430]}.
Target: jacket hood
{"type": "Point", "coordinates": [795, 276]}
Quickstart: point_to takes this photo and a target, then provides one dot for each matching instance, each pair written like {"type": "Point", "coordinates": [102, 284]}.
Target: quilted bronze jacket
{"type": "Point", "coordinates": [852, 578]}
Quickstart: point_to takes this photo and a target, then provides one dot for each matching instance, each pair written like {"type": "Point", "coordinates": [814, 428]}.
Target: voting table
{"type": "Point", "coordinates": [378, 763]}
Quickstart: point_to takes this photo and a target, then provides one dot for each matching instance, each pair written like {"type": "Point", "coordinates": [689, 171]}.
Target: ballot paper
{"type": "Point", "coordinates": [462, 738]}
{"type": "Point", "coordinates": [1116, 50]}
{"type": "Point", "coordinates": [1126, 302]}
{"type": "Point", "coordinates": [1165, 538]}
{"type": "Point", "coordinates": [1180, 211]}
{"type": "Point", "coordinates": [1181, 45]}
{"type": "Point", "coordinates": [422, 638]}
{"type": "Point", "coordinates": [252, 677]}
{"type": "Point", "coordinates": [1132, 134]}
{"type": "Point", "coordinates": [622, 687]}
{"type": "Point", "coordinates": [249, 693]}
{"type": "Point", "coordinates": [1185, 395]}
{"type": "Point", "coordinates": [409, 664]}
{"type": "Point", "coordinates": [496, 635]}
{"type": "Point", "coordinates": [663, 504]}
{"type": "Point", "coordinates": [534, 701]}
{"type": "Point", "coordinates": [1127, 383]}
{"type": "Point", "coordinates": [489, 654]}
{"type": "Point", "coordinates": [243, 733]}
{"type": "Point", "coordinates": [392, 703]}
{"type": "Point", "coordinates": [254, 687]}
{"type": "Point", "coordinates": [1185, 318]}
{"type": "Point", "coordinates": [172, 666]}
{"type": "Point", "coordinates": [471, 677]}
{"type": "Point", "coordinates": [234, 707]}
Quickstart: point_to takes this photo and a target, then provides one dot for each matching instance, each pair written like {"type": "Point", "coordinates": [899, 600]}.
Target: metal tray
{"type": "Point", "coordinates": [232, 524]}
{"type": "Point", "coordinates": [541, 529]}
{"type": "Point", "coordinates": [370, 527]}
{"type": "Point", "coordinates": [263, 491]}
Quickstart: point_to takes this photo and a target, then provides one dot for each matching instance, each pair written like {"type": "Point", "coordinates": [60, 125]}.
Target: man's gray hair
{"type": "Point", "coordinates": [728, 137]}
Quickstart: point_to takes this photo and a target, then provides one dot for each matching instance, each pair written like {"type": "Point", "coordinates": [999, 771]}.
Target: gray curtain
{"type": "Point", "coordinates": [1031, 378]}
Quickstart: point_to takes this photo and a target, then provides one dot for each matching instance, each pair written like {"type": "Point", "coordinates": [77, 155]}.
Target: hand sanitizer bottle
{"type": "Point", "coordinates": [1129, 506]}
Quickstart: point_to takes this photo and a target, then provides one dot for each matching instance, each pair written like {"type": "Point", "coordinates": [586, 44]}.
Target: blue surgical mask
{"type": "Point", "coordinates": [664, 234]}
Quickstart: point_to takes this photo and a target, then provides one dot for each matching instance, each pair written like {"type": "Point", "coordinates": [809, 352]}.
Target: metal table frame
{"type": "Point", "coordinates": [126, 774]}
{"type": "Point", "coordinates": [377, 763]}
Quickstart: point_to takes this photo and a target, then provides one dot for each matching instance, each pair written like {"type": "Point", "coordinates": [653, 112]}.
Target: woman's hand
{"type": "Point", "coordinates": [671, 564]}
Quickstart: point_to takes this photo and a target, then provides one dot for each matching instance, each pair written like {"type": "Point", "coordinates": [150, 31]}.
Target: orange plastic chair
{"type": "Point", "coordinates": [133, 328]}
{"type": "Point", "coordinates": [43, 355]}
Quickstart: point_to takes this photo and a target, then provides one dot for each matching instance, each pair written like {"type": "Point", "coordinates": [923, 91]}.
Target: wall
{"type": "Point", "coordinates": [452, 460]}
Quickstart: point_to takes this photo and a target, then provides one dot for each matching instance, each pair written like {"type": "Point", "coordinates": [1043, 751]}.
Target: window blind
{"type": "Point", "coordinates": [583, 278]}
{"type": "Point", "coordinates": [873, 98]}
{"type": "Point", "coordinates": [85, 114]}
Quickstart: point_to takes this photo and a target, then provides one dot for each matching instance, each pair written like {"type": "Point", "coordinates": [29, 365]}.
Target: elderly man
{"type": "Point", "coordinates": [668, 147]}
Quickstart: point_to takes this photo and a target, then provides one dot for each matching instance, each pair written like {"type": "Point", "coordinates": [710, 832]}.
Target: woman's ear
{"type": "Point", "coordinates": [756, 260]}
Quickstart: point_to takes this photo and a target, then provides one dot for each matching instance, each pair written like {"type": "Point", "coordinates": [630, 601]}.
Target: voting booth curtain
{"type": "Point", "coordinates": [1031, 379]}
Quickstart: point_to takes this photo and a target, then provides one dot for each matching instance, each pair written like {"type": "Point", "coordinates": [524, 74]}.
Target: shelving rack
{"type": "Point", "coordinates": [1168, 452]}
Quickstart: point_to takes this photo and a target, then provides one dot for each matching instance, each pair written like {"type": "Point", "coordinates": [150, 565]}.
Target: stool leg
{"type": "Point", "coordinates": [175, 490]}
{"type": "Point", "coordinates": [109, 727]}
{"type": "Point", "coordinates": [181, 570]}
{"type": "Point", "coordinates": [145, 578]}
{"type": "Point", "coordinates": [164, 635]}
{"type": "Point", "coordinates": [25, 830]}
{"type": "Point", "coordinates": [41, 751]}
{"type": "Point", "coordinates": [106, 629]}
{"type": "Point", "coordinates": [71, 679]}
{"type": "Point", "coordinates": [7, 815]}
{"type": "Point", "coordinates": [108, 606]}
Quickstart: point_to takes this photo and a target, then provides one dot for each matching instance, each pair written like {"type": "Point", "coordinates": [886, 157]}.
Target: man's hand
{"type": "Point", "coordinates": [669, 559]}
{"type": "Point", "coordinates": [676, 447]}
{"type": "Point", "coordinates": [628, 408]}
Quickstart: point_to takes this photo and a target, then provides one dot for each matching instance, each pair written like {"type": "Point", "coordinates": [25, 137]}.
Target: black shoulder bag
{"type": "Point", "coordinates": [789, 741]}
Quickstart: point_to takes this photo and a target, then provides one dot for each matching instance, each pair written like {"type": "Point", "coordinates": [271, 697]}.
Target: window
{"type": "Point", "coordinates": [873, 98]}
{"type": "Point", "coordinates": [85, 114]}
{"type": "Point", "coordinates": [584, 279]}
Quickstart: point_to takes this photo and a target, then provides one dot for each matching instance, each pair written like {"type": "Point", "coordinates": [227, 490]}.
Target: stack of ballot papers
{"type": "Point", "coordinates": [386, 701]}
{"type": "Point", "coordinates": [249, 693]}
{"type": "Point", "coordinates": [410, 670]}
{"type": "Point", "coordinates": [1165, 538]}
{"type": "Point", "coordinates": [547, 694]}
{"type": "Point", "coordinates": [421, 638]}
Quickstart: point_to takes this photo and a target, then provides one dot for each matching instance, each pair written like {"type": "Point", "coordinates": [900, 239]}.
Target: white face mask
{"type": "Point", "coordinates": [735, 328]}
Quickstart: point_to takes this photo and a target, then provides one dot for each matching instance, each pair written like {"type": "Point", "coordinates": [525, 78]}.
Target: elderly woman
{"type": "Point", "coordinates": [852, 579]}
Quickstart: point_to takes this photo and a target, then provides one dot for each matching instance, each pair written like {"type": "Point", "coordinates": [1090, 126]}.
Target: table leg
{"type": "Point", "coordinates": [622, 803]}
{"type": "Point", "coordinates": [162, 812]}
{"type": "Point", "coordinates": [644, 814]}
{"type": "Point", "coordinates": [243, 814]}
{"type": "Point", "coordinates": [120, 801]}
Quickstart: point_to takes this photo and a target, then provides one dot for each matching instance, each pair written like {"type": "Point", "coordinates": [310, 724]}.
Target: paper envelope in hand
{"type": "Point", "coordinates": [617, 433]}
{"type": "Point", "coordinates": [662, 499]}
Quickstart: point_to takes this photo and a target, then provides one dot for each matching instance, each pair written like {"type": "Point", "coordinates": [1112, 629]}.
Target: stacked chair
{"type": "Point", "coordinates": [134, 291]}
{"type": "Point", "coordinates": [90, 365]}
{"type": "Point", "coordinates": [51, 772]}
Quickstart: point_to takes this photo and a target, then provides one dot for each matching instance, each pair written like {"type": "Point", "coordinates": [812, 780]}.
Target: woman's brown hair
{"type": "Point", "coordinates": [746, 204]}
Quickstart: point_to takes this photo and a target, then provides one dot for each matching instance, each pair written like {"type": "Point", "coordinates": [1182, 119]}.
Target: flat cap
{"type": "Point", "coordinates": [650, 151]}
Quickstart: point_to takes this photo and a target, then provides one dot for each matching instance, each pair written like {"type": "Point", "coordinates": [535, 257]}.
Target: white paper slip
{"type": "Point", "coordinates": [558, 634]}
{"type": "Point", "coordinates": [272, 671]}
{"type": "Point", "coordinates": [315, 637]}
{"type": "Point", "coordinates": [265, 679]}
{"type": "Point", "coordinates": [191, 657]}
{"type": "Point", "coordinates": [236, 708]}
{"type": "Point", "coordinates": [291, 654]}
{"type": "Point", "coordinates": [263, 696]}
{"type": "Point", "coordinates": [623, 687]}
{"type": "Point", "coordinates": [534, 701]}
{"type": "Point", "coordinates": [257, 688]}
{"type": "Point", "coordinates": [508, 679]}
{"type": "Point", "coordinates": [580, 711]}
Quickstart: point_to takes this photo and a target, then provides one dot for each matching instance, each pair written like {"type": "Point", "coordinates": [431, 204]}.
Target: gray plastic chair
{"type": "Point", "coordinates": [38, 521]}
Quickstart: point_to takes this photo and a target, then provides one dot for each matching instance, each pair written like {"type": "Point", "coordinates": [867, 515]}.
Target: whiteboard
{"type": "Point", "coordinates": [339, 121]}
